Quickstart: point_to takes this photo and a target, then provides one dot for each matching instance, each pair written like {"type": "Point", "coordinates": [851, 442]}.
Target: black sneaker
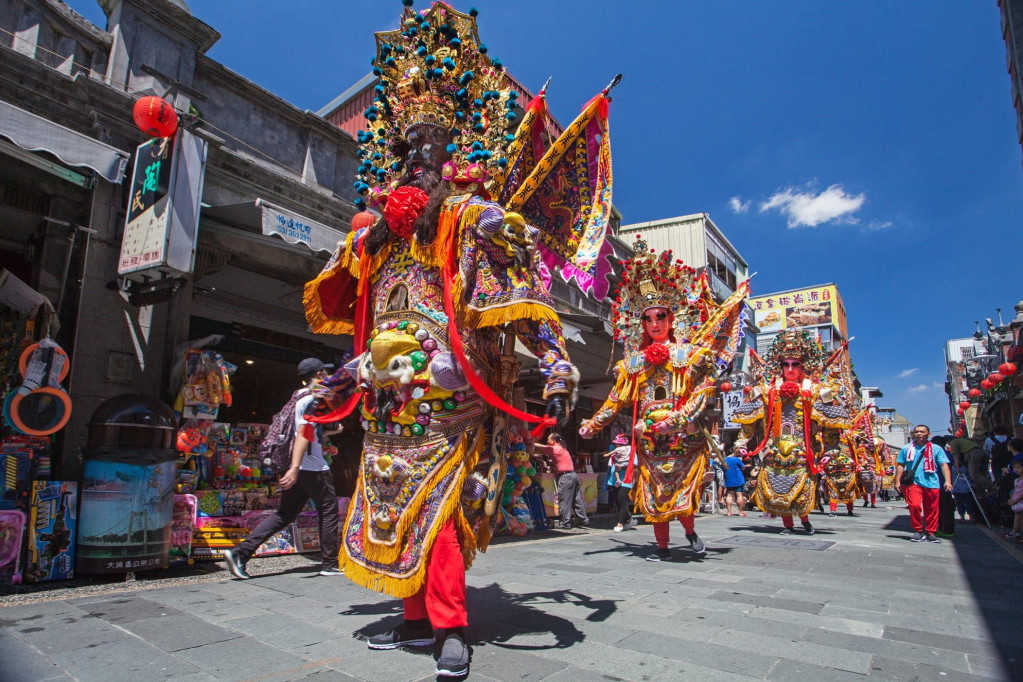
{"type": "Point", "coordinates": [932, 538]}
{"type": "Point", "coordinates": [831, 514]}
{"type": "Point", "coordinates": [696, 544]}
{"type": "Point", "coordinates": [236, 564]}
{"type": "Point", "coordinates": [873, 506]}
{"type": "Point", "coordinates": [785, 531]}
{"type": "Point", "coordinates": [850, 513]}
{"type": "Point", "coordinates": [865, 503]}
{"type": "Point", "coordinates": [403, 635]}
{"type": "Point", "coordinates": [454, 657]}
{"type": "Point", "coordinates": [917, 537]}
{"type": "Point", "coordinates": [662, 554]}
{"type": "Point", "coordinates": [808, 527]}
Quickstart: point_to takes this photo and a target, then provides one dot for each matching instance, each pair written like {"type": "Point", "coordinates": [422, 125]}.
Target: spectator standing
{"type": "Point", "coordinates": [968, 453]}
{"type": "Point", "coordinates": [735, 485]}
{"type": "Point", "coordinates": [921, 459]}
{"type": "Point", "coordinates": [308, 477]}
{"type": "Point", "coordinates": [961, 490]}
{"type": "Point", "coordinates": [946, 502]}
{"type": "Point", "coordinates": [997, 448]}
{"type": "Point", "coordinates": [1016, 500]}
{"type": "Point", "coordinates": [614, 477]}
{"type": "Point", "coordinates": [619, 467]}
{"type": "Point", "coordinates": [570, 493]}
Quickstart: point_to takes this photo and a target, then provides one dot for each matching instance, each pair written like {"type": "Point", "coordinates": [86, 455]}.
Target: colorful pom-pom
{"type": "Point", "coordinates": [473, 12]}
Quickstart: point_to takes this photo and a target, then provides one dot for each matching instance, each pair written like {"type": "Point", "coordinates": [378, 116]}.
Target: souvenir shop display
{"type": "Point", "coordinates": [40, 406]}
{"type": "Point", "coordinates": [51, 531]}
{"type": "Point", "coordinates": [678, 342]}
{"type": "Point", "coordinates": [186, 509]}
{"type": "Point", "coordinates": [12, 532]}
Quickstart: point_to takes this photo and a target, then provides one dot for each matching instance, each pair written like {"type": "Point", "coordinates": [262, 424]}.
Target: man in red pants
{"type": "Point", "coordinates": [922, 458]}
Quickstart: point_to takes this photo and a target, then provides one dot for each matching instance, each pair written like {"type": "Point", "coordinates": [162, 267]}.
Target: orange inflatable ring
{"type": "Point", "coordinates": [26, 355]}
{"type": "Point", "coordinates": [60, 420]}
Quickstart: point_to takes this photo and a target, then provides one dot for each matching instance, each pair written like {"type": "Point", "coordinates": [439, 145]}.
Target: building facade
{"type": "Point", "coordinates": [1012, 33]}
{"type": "Point", "coordinates": [274, 203]}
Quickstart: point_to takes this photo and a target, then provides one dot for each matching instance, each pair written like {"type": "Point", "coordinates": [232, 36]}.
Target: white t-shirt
{"type": "Point", "coordinates": [313, 459]}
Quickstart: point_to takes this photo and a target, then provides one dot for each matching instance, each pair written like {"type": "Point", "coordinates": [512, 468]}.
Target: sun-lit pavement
{"type": "Point", "coordinates": [856, 600]}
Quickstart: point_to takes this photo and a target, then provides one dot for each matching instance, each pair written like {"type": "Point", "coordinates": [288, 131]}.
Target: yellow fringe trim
{"type": "Point", "coordinates": [689, 487]}
{"type": "Point", "coordinates": [407, 586]}
{"type": "Point", "coordinates": [319, 321]}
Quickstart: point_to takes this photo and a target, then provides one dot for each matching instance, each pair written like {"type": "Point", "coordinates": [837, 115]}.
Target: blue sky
{"type": "Point", "coordinates": [871, 144]}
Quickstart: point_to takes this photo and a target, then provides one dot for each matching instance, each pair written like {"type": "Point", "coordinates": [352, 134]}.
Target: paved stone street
{"type": "Point", "coordinates": [856, 600]}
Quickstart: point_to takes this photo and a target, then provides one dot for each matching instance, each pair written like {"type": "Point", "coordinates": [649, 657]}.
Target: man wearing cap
{"type": "Point", "coordinates": [308, 477]}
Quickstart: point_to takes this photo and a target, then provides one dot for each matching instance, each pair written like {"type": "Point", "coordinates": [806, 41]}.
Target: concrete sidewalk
{"type": "Point", "coordinates": [855, 601]}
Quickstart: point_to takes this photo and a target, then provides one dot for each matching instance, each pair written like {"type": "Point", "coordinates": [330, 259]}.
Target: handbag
{"type": "Point", "coordinates": [908, 477]}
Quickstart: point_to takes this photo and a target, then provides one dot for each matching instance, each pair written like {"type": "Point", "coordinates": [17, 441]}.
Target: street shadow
{"type": "Point", "coordinates": [992, 571]}
{"type": "Point", "coordinates": [679, 555]}
{"type": "Point", "coordinates": [497, 616]}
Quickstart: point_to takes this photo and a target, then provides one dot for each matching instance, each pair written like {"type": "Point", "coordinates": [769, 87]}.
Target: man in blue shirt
{"type": "Point", "coordinates": [735, 484]}
{"type": "Point", "coordinates": [922, 458]}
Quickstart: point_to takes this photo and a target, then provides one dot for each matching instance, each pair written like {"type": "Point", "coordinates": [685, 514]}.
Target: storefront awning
{"type": "Point", "coordinates": [36, 134]}
{"type": "Point", "coordinates": [296, 229]}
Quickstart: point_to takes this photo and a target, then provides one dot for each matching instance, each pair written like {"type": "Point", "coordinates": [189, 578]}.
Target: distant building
{"type": "Point", "coordinates": [960, 367]}
{"type": "Point", "coordinates": [1012, 34]}
{"type": "Point", "coordinates": [818, 309]}
{"type": "Point", "coordinates": [893, 427]}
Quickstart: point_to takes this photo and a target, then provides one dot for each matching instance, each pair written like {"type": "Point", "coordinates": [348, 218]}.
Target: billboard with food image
{"type": "Point", "coordinates": [814, 306]}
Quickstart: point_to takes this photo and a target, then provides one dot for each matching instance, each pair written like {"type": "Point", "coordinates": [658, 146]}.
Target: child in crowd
{"type": "Point", "coordinates": [1016, 501]}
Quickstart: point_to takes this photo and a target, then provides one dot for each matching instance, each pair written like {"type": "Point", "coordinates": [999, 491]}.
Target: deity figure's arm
{"type": "Point", "coordinates": [545, 340]}
{"type": "Point", "coordinates": [618, 399]}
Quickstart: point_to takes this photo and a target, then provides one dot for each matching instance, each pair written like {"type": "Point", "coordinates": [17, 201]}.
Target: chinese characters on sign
{"type": "Point", "coordinates": [731, 401]}
{"type": "Point", "coordinates": [793, 310]}
{"type": "Point", "coordinates": [145, 230]}
{"type": "Point", "coordinates": [292, 229]}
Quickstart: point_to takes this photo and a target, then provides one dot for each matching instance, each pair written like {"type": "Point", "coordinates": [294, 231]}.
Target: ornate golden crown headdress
{"type": "Point", "coordinates": [649, 281]}
{"type": "Point", "coordinates": [796, 344]}
{"type": "Point", "coordinates": [434, 70]}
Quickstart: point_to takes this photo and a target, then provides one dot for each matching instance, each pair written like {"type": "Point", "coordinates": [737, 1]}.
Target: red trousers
{"type": "Point", "coordinates": [789, 523]}
{"type": "Point", "coordinates": [834, 505]}
{"type": "Point", "coordinates": [923, 508]}
{"type": "Point", "coordinates": [442, 598]}
{"type": "Point", "coordinates": [661, 532]}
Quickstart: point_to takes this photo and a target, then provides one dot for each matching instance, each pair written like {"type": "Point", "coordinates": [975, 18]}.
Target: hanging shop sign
{"type": "Point", "coordinates": [731, 401]}
{"type": "Point", "coordinates": [296, 229]}
{"type": "Point", "coordinates": [162, 224]}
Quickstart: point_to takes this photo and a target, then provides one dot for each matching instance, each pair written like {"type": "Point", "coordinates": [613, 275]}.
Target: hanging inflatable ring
{"type": "Point", "coordinates": [26, 355]}
{"type": "Point", "coordinates": [59, 411]}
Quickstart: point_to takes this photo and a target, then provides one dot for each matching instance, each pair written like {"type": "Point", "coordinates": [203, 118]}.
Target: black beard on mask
{"type": "Point", "coordinates": [429, 181]}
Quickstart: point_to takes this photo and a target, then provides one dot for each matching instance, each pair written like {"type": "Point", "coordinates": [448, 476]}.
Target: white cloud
{"type": "Point", "coordinates": [807, 209]}
{"type": "Point", "coordinates": [738, 205]}
{"type": "Point", "coordinates": [938, 384]}
{"type": "Point", "coordinates": [919, 388]}
{"type": "Point", "coordinates": [908, 372]}
{"type": "Point", "coordinates": [877, 225]}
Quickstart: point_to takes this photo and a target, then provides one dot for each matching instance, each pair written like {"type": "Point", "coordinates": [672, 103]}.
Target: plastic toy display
{"type": "Point", "coordinates": [51, 531]}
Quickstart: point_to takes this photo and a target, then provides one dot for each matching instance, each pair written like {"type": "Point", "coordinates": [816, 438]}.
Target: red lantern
{"type": "Point", "coordinates": [965, 404]}
{"type": "Point", "coordinates": [960, 433]}
{"type": "Point", "coordinates": [974, 392]}
{"type": "Point", "coordinates": [746, 390]}
{"type": "Point", "coordinates": [960, 411]}
{"type": "Point", "coordinates": [155, 116]}
{"type": "Point", "coordinates": [364, 219]}
{"type": "Point", "coordinates": [1007, 368]}
{"type": "Point", "coordinates": [995, 378]}
{"type": "Point", "coordinates": [985, 384]}
{"type": "Point", "coordinates": [726, 386]}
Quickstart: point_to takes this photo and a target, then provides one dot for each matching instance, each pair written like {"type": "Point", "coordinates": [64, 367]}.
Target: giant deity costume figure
{"type": "Point", "coordinates": [676, 341]}
{"type": "Point", "coordinates": [475, 201]}
{"type": "Point", "coordinates": [801, 426]}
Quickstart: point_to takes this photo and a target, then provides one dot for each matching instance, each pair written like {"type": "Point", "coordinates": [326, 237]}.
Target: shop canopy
{"type": "Point", "coordinates": [296, 229]}
{"type": "Point", "coordinates": [36, 134]}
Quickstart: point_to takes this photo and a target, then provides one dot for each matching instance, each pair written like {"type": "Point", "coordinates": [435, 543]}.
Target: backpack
{"type": "Point", "coordinates": [275, 449]}
{"type": "Point", "coordinates": [1000, 455]}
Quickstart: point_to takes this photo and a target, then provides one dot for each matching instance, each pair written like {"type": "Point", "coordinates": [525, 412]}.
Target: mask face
{"type": "Point", "coordinates": [792, 370]}
{"type": "Point", "coordinates": [657, 324]}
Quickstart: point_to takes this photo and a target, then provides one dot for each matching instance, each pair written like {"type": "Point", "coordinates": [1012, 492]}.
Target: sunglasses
{"type": "Point", "coordinates": [791, 363]}
{"type": "Point", "coordinates": [658, 316]}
